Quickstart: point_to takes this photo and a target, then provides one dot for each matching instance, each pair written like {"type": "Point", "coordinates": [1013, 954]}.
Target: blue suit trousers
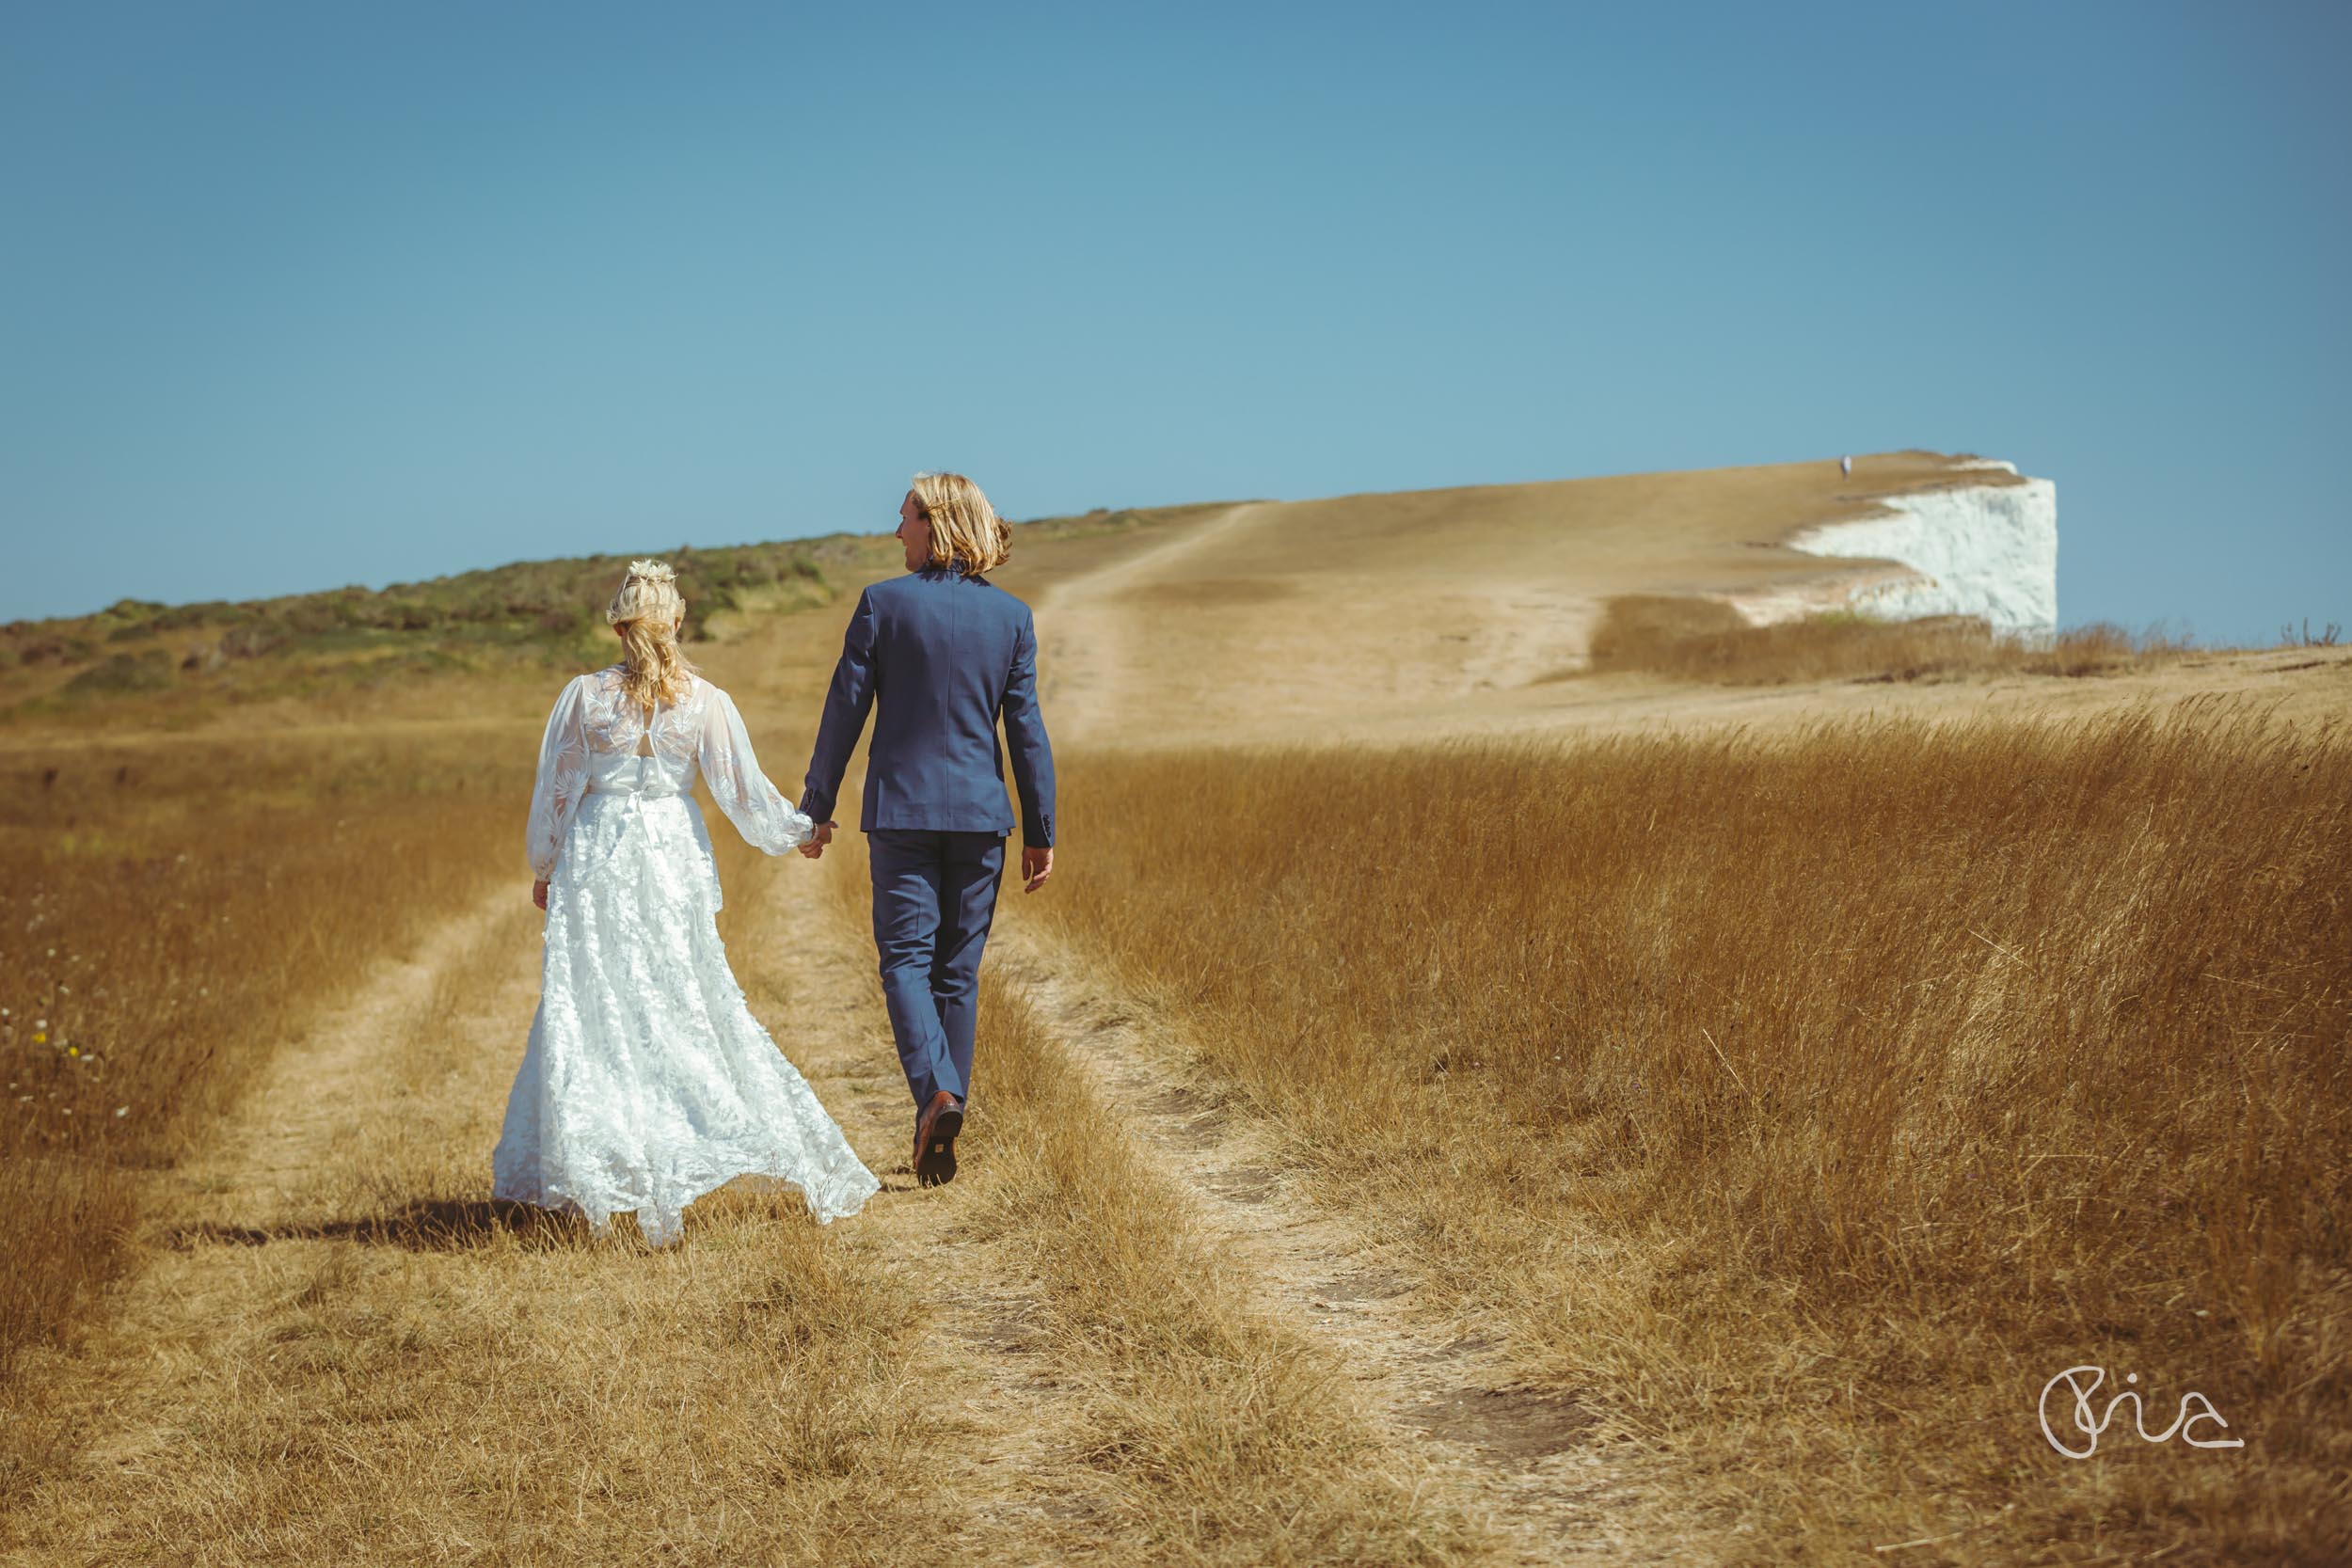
{"type": "Point", "coordinates": [934, 894]}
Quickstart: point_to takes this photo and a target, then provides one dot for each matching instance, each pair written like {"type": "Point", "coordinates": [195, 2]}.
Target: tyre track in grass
{"type": "Point", "coordinates": [1540, 1468]}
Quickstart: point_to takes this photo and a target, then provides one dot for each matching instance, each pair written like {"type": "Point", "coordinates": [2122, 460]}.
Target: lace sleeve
{"type": "Point", "coordinates": [562, 779]}
{"type": "Point", "coordinates": [758, 810]}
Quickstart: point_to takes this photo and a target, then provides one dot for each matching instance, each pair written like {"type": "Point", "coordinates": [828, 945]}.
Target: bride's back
{"type": "Point", "coordinates": [620, 735]}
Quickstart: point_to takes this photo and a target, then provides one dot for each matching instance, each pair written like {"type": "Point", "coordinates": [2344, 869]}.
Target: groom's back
{"type": "Point", "coordinates": [944, 646]}
{"type": "Point", "coordinates": [940, 655]}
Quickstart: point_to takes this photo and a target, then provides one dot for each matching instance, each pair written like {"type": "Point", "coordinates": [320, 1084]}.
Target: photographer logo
{"type": "Point", "coordinates": [2087, 1426]}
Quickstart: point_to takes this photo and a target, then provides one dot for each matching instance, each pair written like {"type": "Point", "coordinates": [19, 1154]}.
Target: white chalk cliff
{"type": "Point", "coordinates": [1969, 550]}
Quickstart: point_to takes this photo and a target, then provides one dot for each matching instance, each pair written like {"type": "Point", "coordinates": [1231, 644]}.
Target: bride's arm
{"type": "Point", "coordinates": [758, 810]}
{"type": "Point", "coordinates": [562, 779]}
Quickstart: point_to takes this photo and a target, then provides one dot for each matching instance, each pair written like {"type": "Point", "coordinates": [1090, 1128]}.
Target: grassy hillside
{"type": "Point", "coordinates": [1431, 604]}
{"type": "Point", "coordinates": [529, 615]}
{"type": "Point", "coordinates": [141, 662]}
{"type": "Point", "coordinates": [1518, 564]}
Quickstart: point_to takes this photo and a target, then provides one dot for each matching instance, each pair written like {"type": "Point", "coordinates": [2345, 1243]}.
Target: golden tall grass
{"type": "Point", "coordinates": [1814, 1100]}
{"type": "Point", "coordinates": [1707, 639]}
{"type": "Point", "coordinates": [175, 909]}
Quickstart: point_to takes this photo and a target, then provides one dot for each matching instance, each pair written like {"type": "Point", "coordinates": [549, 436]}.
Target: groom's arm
{"type": "Point", "coordinates": [1032, 754]}
{"type": "Point", "coordinates": [847, 702]}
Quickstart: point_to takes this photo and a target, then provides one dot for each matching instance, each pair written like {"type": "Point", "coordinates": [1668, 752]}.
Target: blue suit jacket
{"type": "Point", "coordinates": [941, 654]}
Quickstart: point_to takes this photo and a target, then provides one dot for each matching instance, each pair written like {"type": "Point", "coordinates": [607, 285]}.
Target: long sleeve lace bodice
{"type": "Point", "coordinates": [591, 742]}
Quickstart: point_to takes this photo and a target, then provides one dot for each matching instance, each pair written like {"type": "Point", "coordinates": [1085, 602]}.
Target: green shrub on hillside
{"type": "Point", "coordinates": [533, 614]}
{"type": "Point", "coordinates": [151, 670]}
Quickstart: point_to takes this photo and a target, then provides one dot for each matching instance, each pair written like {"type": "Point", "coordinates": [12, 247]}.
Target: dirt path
{"type": "Point", "coordinates": [1021, 1494]}
{"type": "Point", "coordinates": [1092, 657]}
{"type": "Point", "coordinates": [1535, 1464]}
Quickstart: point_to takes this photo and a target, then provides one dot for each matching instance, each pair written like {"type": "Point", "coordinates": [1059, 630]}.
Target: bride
{"type": "Point", "coordinates": [647, 1082]}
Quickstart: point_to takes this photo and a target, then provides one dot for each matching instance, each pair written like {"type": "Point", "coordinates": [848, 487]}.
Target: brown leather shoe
{"type": "Point", "coordinates": [935, 1140]}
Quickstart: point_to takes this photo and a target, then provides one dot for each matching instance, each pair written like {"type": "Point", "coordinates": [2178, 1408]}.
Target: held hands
{"type": "Point", "coordinates": [539, 894]}
{"type": "Point", "coordinates": [1036, 864]}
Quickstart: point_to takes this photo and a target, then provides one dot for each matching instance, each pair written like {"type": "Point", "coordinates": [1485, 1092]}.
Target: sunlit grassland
{"type": "Point", "coordinates": [401, 1372]}
{"type": "Point", "coordinates": [175, 909]}
{"type": "Point", "coordinates": [1705, 639]}
{"type": "Point", "coordinates": [1808, 1100]}
{"type": "Point", "coordinates": [1813, 1101]}
{"type": "Point", "coordinates": [1227, 1435]}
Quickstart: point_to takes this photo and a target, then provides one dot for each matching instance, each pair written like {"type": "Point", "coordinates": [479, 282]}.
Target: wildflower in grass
{"type": "Point", "coordinates": [123, 1110]}
{"type": "Point", "coordinates": [73, 1051]}
{"type": "Point", "coordinates": [40, 1039]}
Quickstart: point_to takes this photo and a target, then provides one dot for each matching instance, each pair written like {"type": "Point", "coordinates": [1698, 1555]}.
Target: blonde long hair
{"type": "Point", "coordinates": [647, 611]}
{"type": "Point", "coordinates": [965, 527]}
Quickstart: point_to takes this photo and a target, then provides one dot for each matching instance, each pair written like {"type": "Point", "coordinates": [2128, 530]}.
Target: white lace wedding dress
{"type": "Point", "coordinates": [647, 1082]}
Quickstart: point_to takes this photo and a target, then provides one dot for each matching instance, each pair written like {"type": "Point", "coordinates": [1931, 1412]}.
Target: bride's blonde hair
{"type": "Point", "coordinates": [965, 527]}
{"type": "Point", "coordinates": [647, 611]}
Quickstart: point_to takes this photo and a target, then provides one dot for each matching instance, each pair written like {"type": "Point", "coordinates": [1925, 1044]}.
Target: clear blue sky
{"type": "Point", "coordinates": [299, 295]}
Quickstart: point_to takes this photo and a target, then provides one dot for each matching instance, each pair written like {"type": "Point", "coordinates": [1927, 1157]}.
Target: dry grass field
{"type": "Point", "coordinates": [1510, 1068]}
{"type": "Point", "coordinates": [177, 907]}
{"type": "Point", "coordinates": [1706, 640]}
{"type": "Point", "coordinates": [1806, 1105]}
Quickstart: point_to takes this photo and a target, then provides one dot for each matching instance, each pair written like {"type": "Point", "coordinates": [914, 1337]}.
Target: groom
{"type": "Point", "coordinates": [943, 652]}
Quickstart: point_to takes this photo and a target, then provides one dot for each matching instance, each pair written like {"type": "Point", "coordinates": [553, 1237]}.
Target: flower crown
{"type": "Point", "coordinates": [639, 571]}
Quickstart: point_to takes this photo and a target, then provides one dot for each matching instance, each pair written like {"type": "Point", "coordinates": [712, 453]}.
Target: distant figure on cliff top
{"type": "Point", "coordinates": [1845, 466]}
